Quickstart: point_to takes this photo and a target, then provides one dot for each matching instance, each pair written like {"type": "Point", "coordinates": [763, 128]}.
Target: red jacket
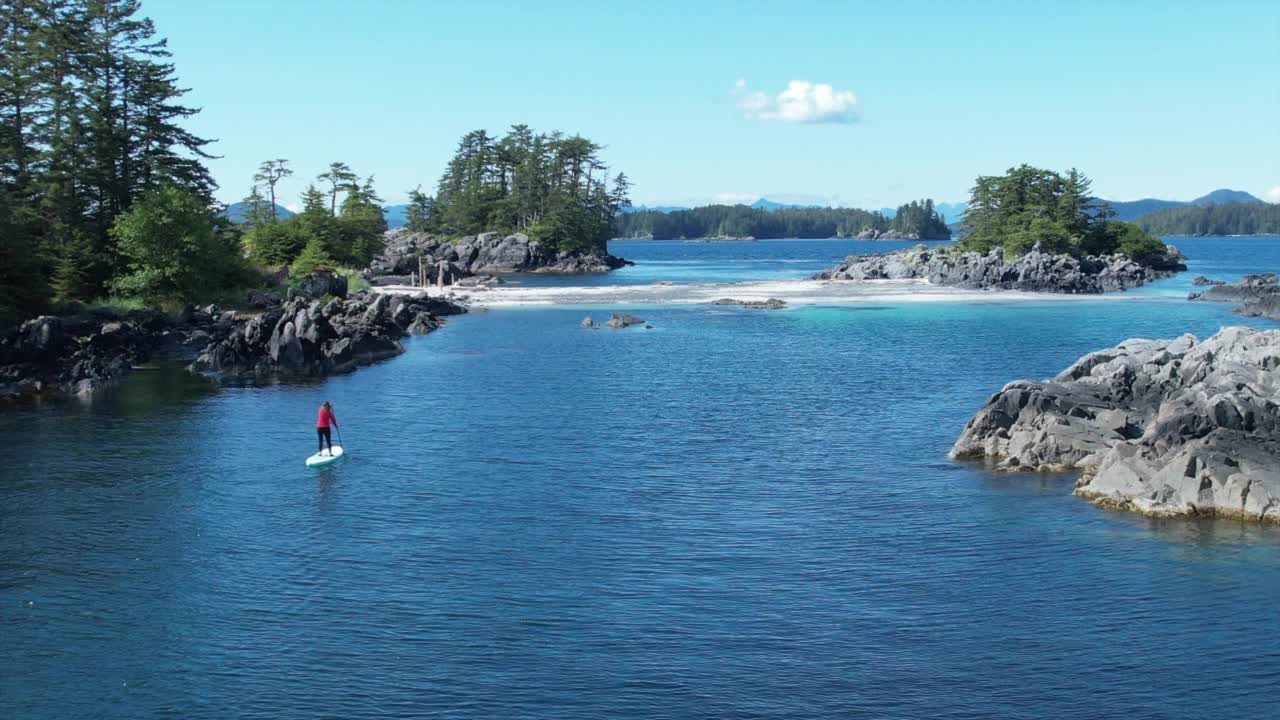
{"type": "Point", "coordinates": [325, 417]}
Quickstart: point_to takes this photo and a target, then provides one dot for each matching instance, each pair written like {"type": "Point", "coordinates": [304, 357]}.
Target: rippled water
{"type": "Point", "coordinates": [734, 514]}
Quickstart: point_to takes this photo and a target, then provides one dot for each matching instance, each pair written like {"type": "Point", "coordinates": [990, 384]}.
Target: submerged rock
{"type": "Point", "coordinates": [1035, 271]}
{"type": "Point", "coordinates": [1164, 427]}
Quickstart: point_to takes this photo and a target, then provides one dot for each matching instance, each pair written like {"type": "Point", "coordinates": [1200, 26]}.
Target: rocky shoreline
{"type": "Point", "coordinates": [1163, 427]}
{"type": "Point", "coordinates": [1258, 295]}
{"type": "Point", "coordinates": [1036, 271]}
{"type": "Point", "coordinates": [303, 336]}
{"type": "Point", "coordinates": [489, 254]}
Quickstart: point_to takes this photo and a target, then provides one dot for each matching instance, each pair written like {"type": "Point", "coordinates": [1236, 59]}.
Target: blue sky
{"type": "Point", "coordinates": [698, 101]}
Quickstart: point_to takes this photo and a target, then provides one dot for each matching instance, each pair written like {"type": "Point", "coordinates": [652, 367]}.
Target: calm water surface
{"type": "Point", "coordinates": [734, 514]}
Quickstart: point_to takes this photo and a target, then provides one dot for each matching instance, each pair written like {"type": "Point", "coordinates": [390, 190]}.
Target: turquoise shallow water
{"type": "Point", "coordinates": [735, 514]}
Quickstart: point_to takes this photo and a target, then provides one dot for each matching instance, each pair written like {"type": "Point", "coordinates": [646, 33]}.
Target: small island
{"type": "Point", "coordinates": [1033, 230]}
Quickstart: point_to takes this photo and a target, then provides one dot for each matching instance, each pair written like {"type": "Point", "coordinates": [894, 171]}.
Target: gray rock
{"type": "Point", "coordinates": [587, 322]}
{"type": "Point", "coordinates": [319, 284]}
{"type": "Point", "coordinates": [305, 339]}
{"type": "Point", "coordinates": [618, 321]}
{"type": "Point", "coordinates": [770, 304]}
{"type": "Point", "coordinates": [1035, 271]}
{"type": "Point", "coordinates": [485, 254]}
{"type": "Point", "coordinates": [1259, 295]}
{"type": "Point", "coordinates": [1164, 427]}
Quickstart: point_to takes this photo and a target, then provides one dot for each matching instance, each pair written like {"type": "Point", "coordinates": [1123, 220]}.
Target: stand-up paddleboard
{"type": "Point", "coordinates": [320, 460]}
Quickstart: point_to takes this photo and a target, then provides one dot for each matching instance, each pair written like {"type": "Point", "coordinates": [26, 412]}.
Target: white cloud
{"type": "Point", "coordinates": [1272, 195]}
{"type": "Point", "coordinates": [801, 102]}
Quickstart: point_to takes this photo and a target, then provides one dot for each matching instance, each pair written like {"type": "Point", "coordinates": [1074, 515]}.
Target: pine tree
{"type": "Point", "coordinates": [270, 173]}
{"type": "Point", "coordinates": [421, 213]}
{"type": "Point", "coordinates": [339, 177]}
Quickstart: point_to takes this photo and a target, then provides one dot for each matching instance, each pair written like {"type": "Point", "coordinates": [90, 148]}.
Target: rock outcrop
{"type": "Point", "coordinates": [1163, 427]}
{"type": "Point", "coordinates": [308, 338]}
{"type": "Point", "coordinates": [1258, 295]}
{"type": "Point", "coordinates": [303, 336]}
{"type": "Point", "coordinates": [486, 254]}
{"type": "Point", "coordinates": [1035, 271]}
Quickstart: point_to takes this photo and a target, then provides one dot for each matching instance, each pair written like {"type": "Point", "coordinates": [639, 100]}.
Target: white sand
{"type": "Point", "coordinates": [794, 292]}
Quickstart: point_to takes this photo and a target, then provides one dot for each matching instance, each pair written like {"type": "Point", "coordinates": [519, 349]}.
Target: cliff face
{"type": "Point", "coordinates": [1035, 271]}
{"type": "Point", "coordinates": [1163, 427]}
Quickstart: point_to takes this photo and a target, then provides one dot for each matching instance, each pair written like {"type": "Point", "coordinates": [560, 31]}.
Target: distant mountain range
{"type": "Point", "coordinates": [239, 212]}
{"type": "Point", "coordinates": [1134, 209]}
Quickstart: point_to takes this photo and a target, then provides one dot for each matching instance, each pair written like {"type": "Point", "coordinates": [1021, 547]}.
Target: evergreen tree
{"type": "Point", "coordinates": [270, 173]}
{"type": "Point", "coordinates": [339, 177]}
{"type": "Point", "coordinates": [421, 214]}
{"type": "Point", "coordinates": [314, 257]}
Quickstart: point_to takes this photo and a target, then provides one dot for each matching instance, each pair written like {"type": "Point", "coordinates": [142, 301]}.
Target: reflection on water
{"type": "Point", "coordinates": [152, 388]}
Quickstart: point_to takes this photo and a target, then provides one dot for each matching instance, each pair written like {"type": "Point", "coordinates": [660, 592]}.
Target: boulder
{"type": "Point", "coordinates": [321, 283]}
{"type": "Point", "coordinates": [618, 321]}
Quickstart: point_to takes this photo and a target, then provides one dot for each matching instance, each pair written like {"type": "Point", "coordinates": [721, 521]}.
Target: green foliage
{"type": "Point", "coordinates": [22, 281]}
{"type": "Point", "coordinates": [273, 244]}
{"type": "Point", "coordinates": [90, 120]}
{"type": "Point", "coordinates": [314, 257]}
{"type": "Point", "coordinates": [1132, 241]}
{"type": "Point", "coordinates": [1226, 219]}
{"type": "Point", "coordinates": [171, 251]}
{"type": "Point", "coordinates": [1028, 206]}
{"type": "Point", "coordinates": [553, 187]}
{"type": "Point", "coordinates": [361, 226]}
{"type": "Point", "coordinates": [79, 268]}
{"type": "Point", "coordinates": [422, 214]}
{"type": "Point", "coordinates": [355, 281]}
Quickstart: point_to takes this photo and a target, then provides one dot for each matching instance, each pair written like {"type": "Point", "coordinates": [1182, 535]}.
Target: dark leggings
{"type": "Point", "coordinates": [322, 437]}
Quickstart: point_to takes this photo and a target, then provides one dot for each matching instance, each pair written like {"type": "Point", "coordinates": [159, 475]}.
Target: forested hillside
{"type": "Point", "coordinates": [1234, 219]}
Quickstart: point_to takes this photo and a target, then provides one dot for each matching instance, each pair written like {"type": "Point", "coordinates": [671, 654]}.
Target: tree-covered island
{"type": "Point", "coordinates": [1029, 206]}
{"type": "Point", "coordinates": [917, 220]}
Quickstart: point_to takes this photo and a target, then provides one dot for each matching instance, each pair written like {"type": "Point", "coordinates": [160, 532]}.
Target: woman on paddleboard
{"type": "Point", "coordinates": [323, 420]}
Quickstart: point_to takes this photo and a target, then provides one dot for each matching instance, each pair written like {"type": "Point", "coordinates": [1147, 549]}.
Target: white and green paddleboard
{"type": "Point", "coordinates": [320, 460]}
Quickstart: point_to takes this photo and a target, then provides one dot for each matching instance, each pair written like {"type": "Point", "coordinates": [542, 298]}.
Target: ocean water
{"type": "Point", "coordinates": [734, 514]}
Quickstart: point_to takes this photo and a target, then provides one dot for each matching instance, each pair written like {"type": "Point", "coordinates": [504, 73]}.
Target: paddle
{"type": "Point", "coordinates": [344, 447]}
